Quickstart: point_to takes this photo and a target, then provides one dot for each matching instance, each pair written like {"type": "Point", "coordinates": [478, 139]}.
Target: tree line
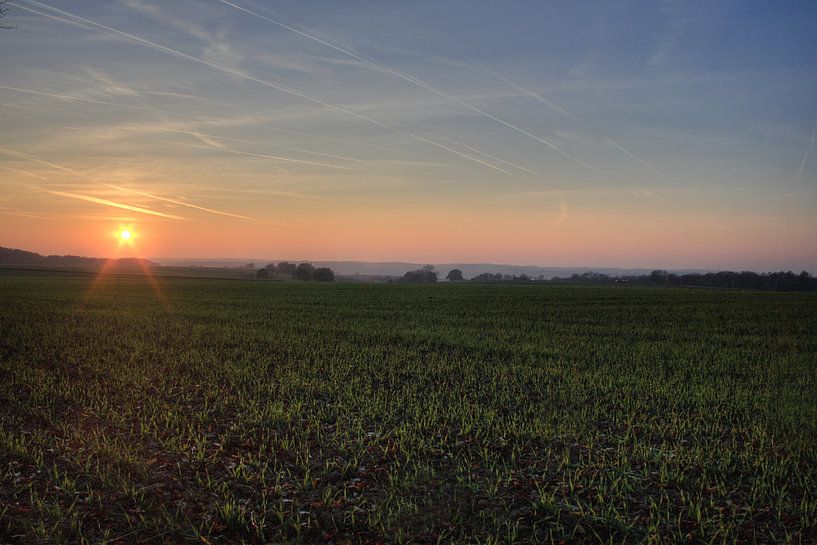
{"type": "Point", "coordinates": [746, 280]}
{"type": "Point", "coordinates": [305, 272]}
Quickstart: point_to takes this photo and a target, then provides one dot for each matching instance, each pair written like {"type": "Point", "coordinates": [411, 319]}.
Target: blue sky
{"type": "Point", "coordinates": [615, 133]}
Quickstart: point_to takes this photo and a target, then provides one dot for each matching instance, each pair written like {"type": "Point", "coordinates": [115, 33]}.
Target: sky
{"type": "Point", "coordinates": [665, 134]}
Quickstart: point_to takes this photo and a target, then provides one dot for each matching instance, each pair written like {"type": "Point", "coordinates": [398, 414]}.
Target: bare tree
{"type": "Point", "coordinates": [4, 9]}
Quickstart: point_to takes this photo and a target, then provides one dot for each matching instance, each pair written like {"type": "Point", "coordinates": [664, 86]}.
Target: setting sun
{"type": "Point", "coordinates": [125, 235]}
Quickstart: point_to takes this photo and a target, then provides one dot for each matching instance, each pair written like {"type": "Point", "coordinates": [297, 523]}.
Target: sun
{"type": "Point", "coordinates": [125, 235]}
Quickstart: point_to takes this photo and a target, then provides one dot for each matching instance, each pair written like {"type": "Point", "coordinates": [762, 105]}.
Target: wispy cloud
{"type": "Point", "coordinates": [562, 213]}
{"type": "Point", "coordinates": [214, 45]}
{"type": "Point", "coordinates": [106, 85]}
{"type": "Point", "coordinates": [679, 17]}
{"type": "Point", "coordinates": [647, 194]}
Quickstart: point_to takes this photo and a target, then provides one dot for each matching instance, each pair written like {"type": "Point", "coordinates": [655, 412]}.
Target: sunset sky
{"type": "Point", "coordinates": [625, 134]}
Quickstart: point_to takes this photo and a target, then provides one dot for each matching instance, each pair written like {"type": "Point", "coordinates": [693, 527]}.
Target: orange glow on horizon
{"type": "Point", "coordinates": [125, 236]}
{"type": "Point", "coordinates": [519, 234]}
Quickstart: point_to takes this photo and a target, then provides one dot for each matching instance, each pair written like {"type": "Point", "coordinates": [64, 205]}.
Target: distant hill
{"type": "Point", "coordinates": [364, 271]}
{"type": "Point", "coordinates": [398, 268]}
{"type": "Point", "coordinates": [22, 258]}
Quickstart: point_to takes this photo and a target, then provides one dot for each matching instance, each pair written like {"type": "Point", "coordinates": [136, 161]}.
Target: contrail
{"type": "Point", "coordinates": [262, 191]}
{"type": "Point", "coordinates": [180, 203]}
{"type": "Point", "coordinates": [331, 155]}
{"type": "Point", "coordinates": [80, 99]}
{"type": "Point", "coordinates": [634, 157]}
{"type": "Point", "coordinates": [544, 100]}
{"type": "Point", "coordinates": [489, 156]}
{"type": "Point", "coordinates": [498, 159]}
{"type": "Point", "coordinates": [808, 151]}
{"type": "Point", "coordinates": [209, 141]}
{"type": "Point", "coordinates": [106, 102]}
{"type": "Point", "coordinates": [36, 159]}
{"type": "Point", "coordinates": [248, 77]}
{"type": "Point", "coordinates": [153, 110]}
{"type": "Point", "coordinates": [197, 133]}
{"type": "Point", "coordinates": [516, 86]}
{"type": "Point", "coordinates": [218, 146]}
{"type": "Point", "coordinates": [27, 173]}
{"type": "Point", "coordinates": [265, 156]}
{"type": "Point", "coordinates": [413, 80]}
{"type": "Point", "coordinates": [553, 106]}
{"type": "Point", "coordinates": [329, 138]}
{"type": "Point", "coordinates": [15, 106]}
{"type": "Point", "coordinates": [53, 17]}
{"type": "Point", "coordinates": [25, 215]}
{"type": "Point", "coordinates": [242, 141]}
{"type": "Point", "coordinates": [181, 95]}
{"type": "Point", "coordinates": [474, 64]}
{"type": "Point", "coordinates": [178, 95]}
{"type": "Point", "coordinates": [114, 204]}
{"type": "Point", "coordinates": [125, 206]}
{"type": "Point", "coordinates": [249, 154]}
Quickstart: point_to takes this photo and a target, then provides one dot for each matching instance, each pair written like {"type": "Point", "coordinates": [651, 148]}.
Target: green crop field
{"type": "Point", "coordinates": [229, 411]}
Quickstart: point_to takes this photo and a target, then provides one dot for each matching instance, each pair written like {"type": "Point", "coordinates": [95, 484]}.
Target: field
{"type": "Point", "coordinates": [229, 411]}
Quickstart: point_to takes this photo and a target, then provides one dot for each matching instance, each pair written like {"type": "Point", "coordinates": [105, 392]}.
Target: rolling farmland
{"type": "Point", "coordinates": [229, 411]}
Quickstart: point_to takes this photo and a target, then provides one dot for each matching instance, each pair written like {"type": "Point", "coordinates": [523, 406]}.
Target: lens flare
{"type": "Point", "coordinates": [127, 258]}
